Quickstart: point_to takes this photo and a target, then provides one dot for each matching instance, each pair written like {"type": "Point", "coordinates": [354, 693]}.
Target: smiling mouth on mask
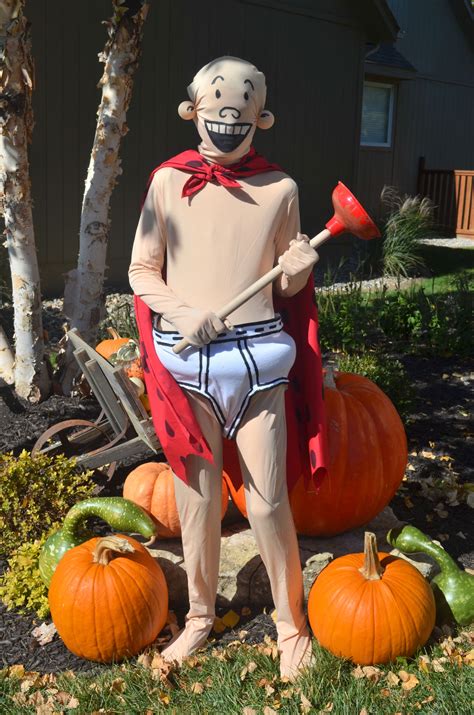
{"type": "Point", "coordinates": [227, 137]}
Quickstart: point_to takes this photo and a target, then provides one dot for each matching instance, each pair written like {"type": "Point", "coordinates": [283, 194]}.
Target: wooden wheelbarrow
{"type": "Point", "coordinates": [124, 427]}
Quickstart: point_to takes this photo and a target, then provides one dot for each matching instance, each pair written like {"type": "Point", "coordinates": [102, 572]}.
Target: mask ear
{"type": "Point", "coordinates": [265, 120]}
{"type": "Point", "coordinates": [186, 110]}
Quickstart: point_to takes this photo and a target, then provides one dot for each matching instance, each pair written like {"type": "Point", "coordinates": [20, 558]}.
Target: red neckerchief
{"type": "Point", "coordinates": [202, 171]}
{"type": "Point", "coordinates": [176, 426]}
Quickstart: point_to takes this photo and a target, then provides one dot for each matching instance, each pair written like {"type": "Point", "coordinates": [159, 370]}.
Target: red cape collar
{"type": "Point", "coordinates": [192, 162]}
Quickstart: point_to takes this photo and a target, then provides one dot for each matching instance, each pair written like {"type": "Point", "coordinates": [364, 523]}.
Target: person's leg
{"type": "Point", "coordinates": [261, 442]}
{"type": "Point", "coordinates": [199, 509]}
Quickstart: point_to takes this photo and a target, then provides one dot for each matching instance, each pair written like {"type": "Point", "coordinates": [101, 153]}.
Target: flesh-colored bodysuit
{"type": "Point", "coordinates": [214, 245]}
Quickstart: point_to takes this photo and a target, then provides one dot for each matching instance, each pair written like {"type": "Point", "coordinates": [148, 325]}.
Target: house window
{"type": "Point", "coordinates": [377, 114]}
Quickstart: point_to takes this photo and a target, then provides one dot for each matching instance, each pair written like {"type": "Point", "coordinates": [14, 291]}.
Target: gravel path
{"type": "Point", "coordinates": [449, 242]}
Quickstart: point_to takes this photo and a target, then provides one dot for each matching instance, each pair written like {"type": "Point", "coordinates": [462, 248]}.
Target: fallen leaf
{"type": "Point", "coordinates": [118, 685]}
{"type": "Point", "coordinates": [249, 711]}
{"type": "Point", "coordinates": [409, 681]}
{"type": "Point", "coordinates": [386, 692]}
{"type": "Point", "coordinates": [230, 619]}
{"type": "Point", "coordinates": [145, 659]}
{"type": "Point", "coordinates": [269, 711]}
{"type": "Point", "coordinates": [429, 699]}
{"type": "Point", "coordinates": [328, 708]}
{"type": "Point", "coordinates": [469, 657]}
{"type": "Point", "coordinates": [392, 679]}
{"type": "Point", "coordinates": [245, 611]}
{"type": "Point", "coordinates": [44, 633]}
{"type": "Point", "coordinates": [427, 454]}
{"type": "Point", "coordinates": [305, 706]}
{"type": "Point", "coordinates": [411, 468]}
{"type": "Point", "coordinates": [219, 625]}
{"type": "Point", "coordinates": [357, 672]}
{"type": "Point", "coordinates": [269, 690]}
{"type": "Point", "coordinates": [437, 665]}
{"type": "Point", "coordinates": [364, 711]}
{"type": "Point", "coordinates": [197, 688]}
{"type": "Point", "coordinates": [73, 703]}
{"type": "Point", "coordinates": [424, 663]}
{"type": "Point", "coordinates": [16, 671]}
{"type": "Point", "coordinates": [63, 698]}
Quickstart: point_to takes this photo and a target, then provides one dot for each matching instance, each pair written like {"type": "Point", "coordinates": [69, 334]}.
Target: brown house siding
{"type": "Point", "coordinates": [435, 110]}
{"type": "Point", "coordinates": [311, 51]}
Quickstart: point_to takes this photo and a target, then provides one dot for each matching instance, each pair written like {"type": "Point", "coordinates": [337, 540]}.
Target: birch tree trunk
{"type": "Point", "coordinates": [16, 125]}
{"type": "Point", "coordinates": [83, 296]}
{"type": "Point", "coordinates": [7, 360]}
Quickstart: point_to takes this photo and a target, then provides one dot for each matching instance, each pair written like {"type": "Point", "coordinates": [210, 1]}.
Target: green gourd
{"type": "Point", "coordinates": [453, 588]}
{"type": "Point", "coordinates": [121, 514]}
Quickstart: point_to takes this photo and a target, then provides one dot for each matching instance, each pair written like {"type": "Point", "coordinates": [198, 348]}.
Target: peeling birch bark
{"type": "Point", "coordinates": [83, 295]}
{"type": "Point", "coordinates": [7, 358]}
{"type": "Point", "coordinates": [16, 125]}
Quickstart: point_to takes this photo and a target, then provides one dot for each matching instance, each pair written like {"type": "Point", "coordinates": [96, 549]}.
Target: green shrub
{"type": "Point", "coordinates": [35, 494]}
{"type": "Point", "coordinates": [21, 586]}
{"type": "Point", "coordinates": [413, 320]}
{"type": "Point", "coordinates": [387, 373]}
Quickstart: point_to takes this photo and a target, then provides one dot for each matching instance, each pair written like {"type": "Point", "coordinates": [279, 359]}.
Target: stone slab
{"type": "Point", "coordinates": [243, 580]}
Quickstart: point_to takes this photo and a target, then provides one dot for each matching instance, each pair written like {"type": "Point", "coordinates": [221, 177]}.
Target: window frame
{"type": "Point", "coordinates": [391, 110]}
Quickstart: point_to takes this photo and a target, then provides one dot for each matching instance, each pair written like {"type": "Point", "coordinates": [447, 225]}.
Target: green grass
{"type": "Point", "coordinates": [214, 682]}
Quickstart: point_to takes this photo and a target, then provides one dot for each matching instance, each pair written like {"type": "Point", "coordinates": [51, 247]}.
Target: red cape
{"type": "Point", "coordinates": [174, 422]}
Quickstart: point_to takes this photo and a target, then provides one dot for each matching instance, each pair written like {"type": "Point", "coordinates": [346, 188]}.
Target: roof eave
{"type": "Point", "coordinates": [383, 26]}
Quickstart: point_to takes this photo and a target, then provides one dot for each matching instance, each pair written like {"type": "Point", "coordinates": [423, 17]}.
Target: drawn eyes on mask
{"type": "Point", "coordinates": [219, 95]}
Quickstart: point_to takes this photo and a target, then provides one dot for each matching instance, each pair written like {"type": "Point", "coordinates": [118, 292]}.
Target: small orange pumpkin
{"type": "Point", "coordinates": [151, 486]}
{"type": "Point", "coordinates": [367, 460]}
{"type": "Point", "coordinates": [370, 607]}
{"type": "Point", "coordinates": [108, 347]}
{"type": "Point", "coordinates": [108, 598]}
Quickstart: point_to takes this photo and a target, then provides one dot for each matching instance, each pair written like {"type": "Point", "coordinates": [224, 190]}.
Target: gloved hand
{"type": "Point", "coordinates": [198, 326]}
{"type": "Point", "coordinates": [297, 261]}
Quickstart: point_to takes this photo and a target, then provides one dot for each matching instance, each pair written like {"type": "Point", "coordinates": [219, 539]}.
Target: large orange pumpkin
{"type": "Point", "coordinates": [108, 598]}
{"type": "Point", "coordinates": [371, 607]}
{"type": "Point", "coordinates": [367, 460]}
{"type": "Point", "coordinates": [151, 486]}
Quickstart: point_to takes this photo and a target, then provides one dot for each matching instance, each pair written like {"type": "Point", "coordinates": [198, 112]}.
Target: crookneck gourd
{"type": "Point", "coordinates": [452, 587]}
{"type": "Point", "coordinates": [121, 514]}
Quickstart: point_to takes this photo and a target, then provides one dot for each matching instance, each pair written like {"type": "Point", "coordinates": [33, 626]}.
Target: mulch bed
{"type": "Point", "coordinates": [439, 426]}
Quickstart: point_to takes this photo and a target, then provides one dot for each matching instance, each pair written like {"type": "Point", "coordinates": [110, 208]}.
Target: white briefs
{"type": "Point", "coordinates": [250, 358]}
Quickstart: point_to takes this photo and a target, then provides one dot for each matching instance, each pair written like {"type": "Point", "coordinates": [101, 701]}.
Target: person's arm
{"type": "Point", "coordinates": [293, 252]}
{"type": "Point", "coordinates": [146, 277]}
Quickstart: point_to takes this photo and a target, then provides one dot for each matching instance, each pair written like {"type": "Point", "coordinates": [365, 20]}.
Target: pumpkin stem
{"type": "Point", "coordinates": [113, 333]}
{"type": "Point", "coordinates": [372, 569]}
{"type": "Point", "coordinates": [108, 547]}
{"type": "Point", "coordinates": [329, 380]}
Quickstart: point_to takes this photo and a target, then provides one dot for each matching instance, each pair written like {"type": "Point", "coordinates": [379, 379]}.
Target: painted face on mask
{"type": "Point", "coordinates": [227, 97]}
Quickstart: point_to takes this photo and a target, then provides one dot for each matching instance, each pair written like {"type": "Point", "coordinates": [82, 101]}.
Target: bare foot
{"type": "Point", "coordinates": [189, 639]}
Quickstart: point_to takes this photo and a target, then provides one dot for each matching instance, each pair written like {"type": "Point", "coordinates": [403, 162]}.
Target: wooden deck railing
{"type": "Point", "coordinates": [452, 192]}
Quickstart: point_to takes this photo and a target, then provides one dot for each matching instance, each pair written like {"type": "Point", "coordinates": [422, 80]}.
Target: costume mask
{"type": "Point", "coordinates": [227, 99]}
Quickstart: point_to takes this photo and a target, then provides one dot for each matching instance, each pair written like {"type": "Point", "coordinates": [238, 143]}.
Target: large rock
{"type": "Point", "coordinates": [243, 579]}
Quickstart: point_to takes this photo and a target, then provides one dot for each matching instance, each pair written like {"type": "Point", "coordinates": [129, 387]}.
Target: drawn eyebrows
{"type": "Point", "coordinates": [216, 78]}
{"type": "Point", "coordinates": [250, 83]}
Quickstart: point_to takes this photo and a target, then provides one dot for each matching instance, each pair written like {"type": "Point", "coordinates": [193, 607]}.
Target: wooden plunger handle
{"type": "Point", "coordinates": [249, 292]}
